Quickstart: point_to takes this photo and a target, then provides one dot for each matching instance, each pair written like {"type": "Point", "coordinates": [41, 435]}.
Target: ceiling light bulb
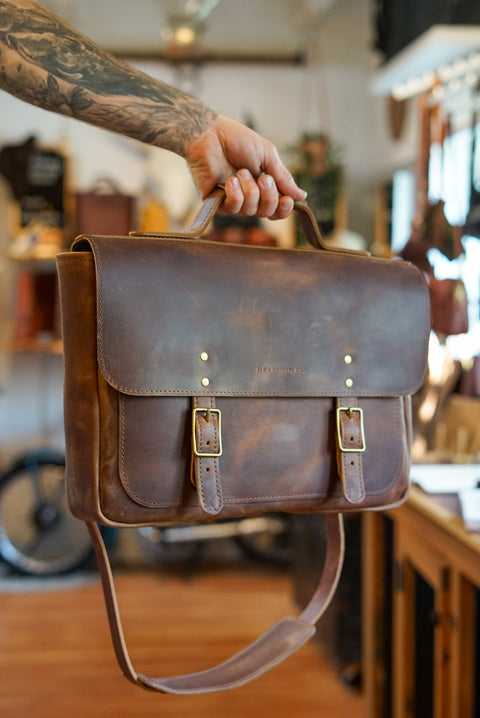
{"type": "Point", "coordinates": [185, 35]}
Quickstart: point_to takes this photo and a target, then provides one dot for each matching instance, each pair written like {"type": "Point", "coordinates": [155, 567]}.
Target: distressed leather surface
{"type": "Point", "coordinates": [273, 322]}
{"type": "Point", "coordinates": [262, 334]}
{"type": "Point", "coordinates": [278, 455]}
{"type": "Point", "coordinates": [129, 456]}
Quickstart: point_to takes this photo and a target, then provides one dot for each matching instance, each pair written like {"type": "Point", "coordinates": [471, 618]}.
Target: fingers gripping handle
{"type": "Point", "coordinates": [274, 646]}
{"type": "Point", "coordinates": [214, 201]}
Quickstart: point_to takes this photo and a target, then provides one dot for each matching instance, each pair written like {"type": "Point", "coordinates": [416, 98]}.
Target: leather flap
{"type": "Point", "coordinates": [190, 317]}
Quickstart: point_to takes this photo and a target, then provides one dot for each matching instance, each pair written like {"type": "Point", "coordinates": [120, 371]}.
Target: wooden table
{"type": "Point", "coordinates": [421, 611]}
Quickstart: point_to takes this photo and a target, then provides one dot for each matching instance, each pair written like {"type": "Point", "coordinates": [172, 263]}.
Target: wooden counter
{"type": "Point", "coordinates": [421, 619]}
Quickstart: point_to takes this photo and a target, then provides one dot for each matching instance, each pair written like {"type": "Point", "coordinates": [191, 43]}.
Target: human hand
{"type": "Point", "coordinates": [256, 180]}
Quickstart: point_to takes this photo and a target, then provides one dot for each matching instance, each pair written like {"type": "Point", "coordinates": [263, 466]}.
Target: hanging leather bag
{"type": "Point", "coordinates": [472, 222]}
{"type": "Point", "coordinates": [205, 380]}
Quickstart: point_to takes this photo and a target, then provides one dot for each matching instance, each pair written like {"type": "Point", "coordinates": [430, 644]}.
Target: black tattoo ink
{"type": "Point", "coordinates": [60, 70]}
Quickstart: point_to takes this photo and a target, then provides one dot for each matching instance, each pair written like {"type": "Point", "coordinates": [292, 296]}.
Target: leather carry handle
{"type": "Point", "coordinates": [213, 202]}
{"type": "Point", "coordinates": [275, 645]}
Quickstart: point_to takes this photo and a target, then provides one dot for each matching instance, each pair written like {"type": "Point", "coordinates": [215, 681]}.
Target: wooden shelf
{"type": "Point", "coordinates": [34, 263]}
{"type": "Point", "coordinates": [50, 346]}
{"type": "Point", "coordinates": [428, 546]}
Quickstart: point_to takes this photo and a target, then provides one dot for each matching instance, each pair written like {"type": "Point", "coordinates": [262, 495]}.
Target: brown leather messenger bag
{"type": "Point", "coordinates": [205, 380]}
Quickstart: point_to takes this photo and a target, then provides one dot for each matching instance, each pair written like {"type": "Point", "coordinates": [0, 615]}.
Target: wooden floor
{"type": "Point", "coordinates": [56, 659]}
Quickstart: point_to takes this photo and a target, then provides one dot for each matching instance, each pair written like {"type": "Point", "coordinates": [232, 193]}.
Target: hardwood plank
{"type": "Point", "coordinates": [56, 657]}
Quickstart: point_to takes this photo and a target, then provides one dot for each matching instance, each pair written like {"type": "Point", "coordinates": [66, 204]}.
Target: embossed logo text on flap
{"type": "Point", "coordinates": [279, 370]}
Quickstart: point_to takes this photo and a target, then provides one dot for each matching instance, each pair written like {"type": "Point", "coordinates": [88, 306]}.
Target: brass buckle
{"type": "Point", "coordinates": [194, 433]}
{"type": "Point", "coordinates": [346, 449]}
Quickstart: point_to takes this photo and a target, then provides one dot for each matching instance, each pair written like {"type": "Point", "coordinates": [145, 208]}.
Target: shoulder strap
{"type": "Point", "coordinates": [284, 638]}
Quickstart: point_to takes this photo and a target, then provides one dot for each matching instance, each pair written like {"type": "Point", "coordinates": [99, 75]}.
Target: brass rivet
{"type": "Point", "coordinates": [205, 381]}
{"type": "Point", "coordinates": [204, 356]}
{"type": "Point", "coordinates": [348, 359]}
{"type": "Point", "coordinates": [349, 383]}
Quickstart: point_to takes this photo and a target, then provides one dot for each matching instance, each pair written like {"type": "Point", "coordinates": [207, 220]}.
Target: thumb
{"type": "Point", "coordinates": [286, 185]}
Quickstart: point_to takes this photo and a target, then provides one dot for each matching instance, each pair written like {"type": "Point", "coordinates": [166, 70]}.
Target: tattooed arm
{"type": "Point", "coordinates": [46, 62]}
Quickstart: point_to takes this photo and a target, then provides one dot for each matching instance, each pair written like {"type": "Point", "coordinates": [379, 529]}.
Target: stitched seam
{"type": "Point", "coordinates": [154, 504]}
{"type": "Point", "coordinates": [100, 307]}
{"type": "Point", "coordinates": [215, 506]}
{"type": "Point", "coordinates": [226, 499]}
{"type": "Point", "coordinates": [123, 473]}
{"type": "Point", "coordinates": [399, 464]}
{"type": "Point", "coordinates": [74, 260]}
{"type": "Point", "coordinates": [230, 499]}
{"type": "Point", "coordinates": [272, 393]}
{"type": "Point", "coordinates": [200, 485]}
{"type": "Point", "coordinates": [347, 482]}
{"type": "Point", "coordinates": [218, 503]}
{"type": "Point", "coordinates": [202, 471]}
{"type": "Point", "coordinates": [281, 497]}
{"type": "Point", "coordinates": [399, 461]}
{"type": "Point", "coordinates": [348, 485]}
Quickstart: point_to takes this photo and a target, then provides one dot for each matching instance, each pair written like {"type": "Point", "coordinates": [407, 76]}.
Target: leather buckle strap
{"type": "Point", "coordinates": [206, 450]}
{"type": "Point", "coordinates": [351, 446]}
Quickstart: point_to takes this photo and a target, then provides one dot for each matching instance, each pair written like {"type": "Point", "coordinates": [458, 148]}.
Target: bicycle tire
{"type": "Point", "coordinates": [38, 534]}
{"type": "Point", "coordinates": [272, 546]}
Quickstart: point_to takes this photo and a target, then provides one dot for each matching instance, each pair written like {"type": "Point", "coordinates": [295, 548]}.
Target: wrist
{"type": "Point", "coordinates": [203, 136]}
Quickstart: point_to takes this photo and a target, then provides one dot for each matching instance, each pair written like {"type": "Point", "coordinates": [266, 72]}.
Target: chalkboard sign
{"type": "Point", "coordinates": [36, 177]}
{"type": "Point", "coordinates": [43, 200]}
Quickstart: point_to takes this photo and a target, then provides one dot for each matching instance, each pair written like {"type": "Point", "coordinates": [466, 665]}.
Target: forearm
{"type": "Point", "coordinates": [46, 62]}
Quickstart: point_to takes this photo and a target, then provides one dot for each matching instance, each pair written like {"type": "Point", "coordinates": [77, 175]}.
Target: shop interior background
{"type": "Point", "coordinates": [284, 66]}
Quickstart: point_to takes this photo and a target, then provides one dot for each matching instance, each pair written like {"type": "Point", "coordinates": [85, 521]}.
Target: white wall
{"type": "Point", "coordinates": [284, 101]}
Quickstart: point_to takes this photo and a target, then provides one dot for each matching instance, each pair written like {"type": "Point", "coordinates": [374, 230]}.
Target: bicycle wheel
{"type": "Point", "coordinates": [267, 539]}
{"type": "Point", "coordinates": [38, 534]}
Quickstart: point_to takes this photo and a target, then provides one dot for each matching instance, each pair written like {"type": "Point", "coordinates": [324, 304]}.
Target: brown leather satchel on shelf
{"type": "Point", "coordinates": [207, 380]}
{"type": "Point", "coordinates": [104, 209]}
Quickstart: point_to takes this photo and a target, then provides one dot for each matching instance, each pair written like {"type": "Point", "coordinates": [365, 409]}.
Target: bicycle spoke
{"type": "Point", "coordinates": [38, 535]}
